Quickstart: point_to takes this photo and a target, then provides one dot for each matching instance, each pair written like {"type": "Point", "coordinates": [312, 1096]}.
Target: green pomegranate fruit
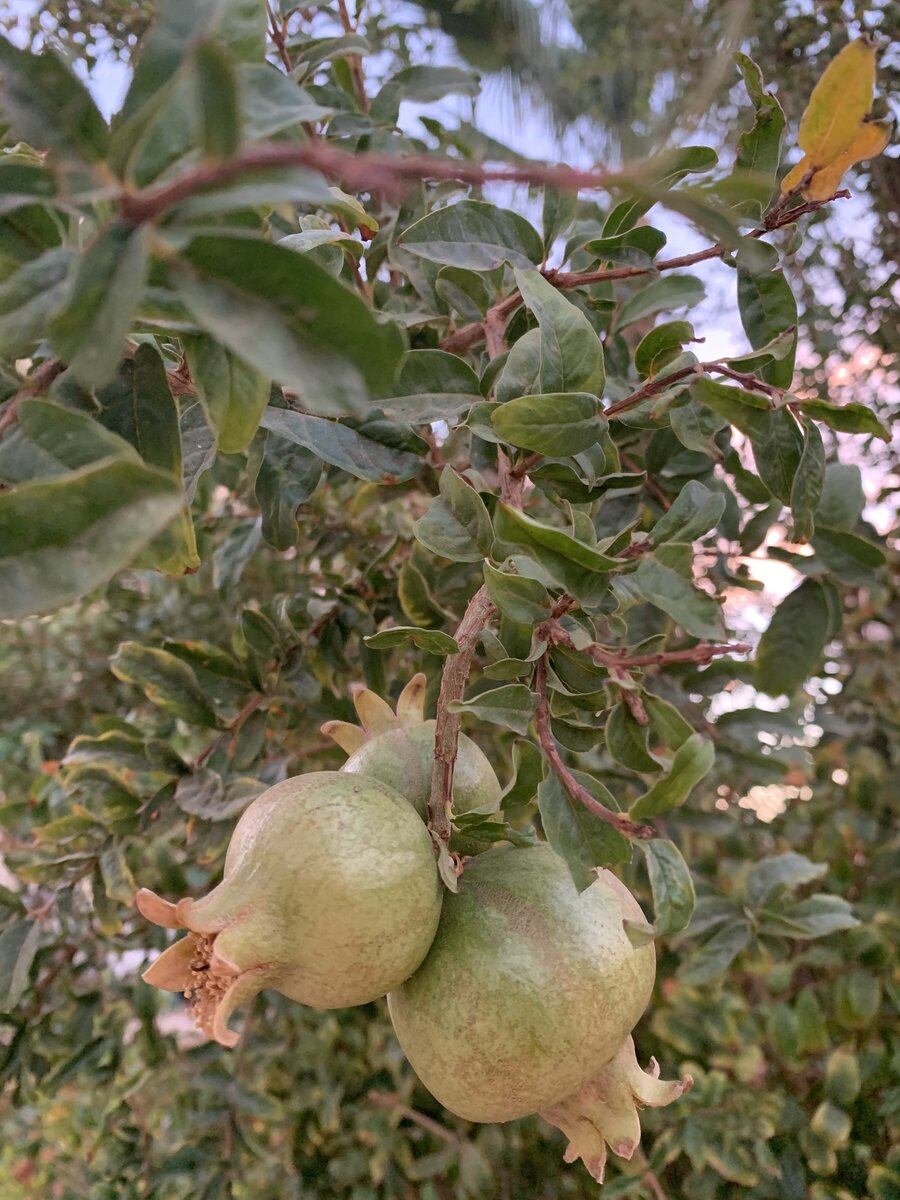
{"type": "Point", "coordinates": [398, 749]}
{"type": "Point", "coordinates": [330, 895]}
{"type": "Point", "coordinates": [526, 1001]}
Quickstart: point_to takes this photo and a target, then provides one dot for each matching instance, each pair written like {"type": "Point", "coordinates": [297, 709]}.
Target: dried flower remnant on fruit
{"type": "Point", "coordinates": [398, 748]}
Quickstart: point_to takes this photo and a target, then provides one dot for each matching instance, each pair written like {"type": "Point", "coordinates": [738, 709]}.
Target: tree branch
{"type": "Point", "coordinates": [447, 725]}
{"type": "Point", "coordinates": [702, 653]}
{"type": "Point", "coordinates": [619, 821]}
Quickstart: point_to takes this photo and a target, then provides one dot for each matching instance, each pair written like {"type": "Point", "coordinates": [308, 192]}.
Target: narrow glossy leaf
{"type": "Point", "coordinates": [138, 406]}
{"type": "Point", "coordinates": [658, 347]}
{"type": "Point", "coordinates": [695, 511]}
{"type": "Point", "coordinates": [747, 411]}
{"type": "Point", "coordinates": [768, 308]}
{"type": "Point", "coordinates": [572, 564]}
{"type": "Point", "coordinates": [696, 425]}
{"type": "Point", "coordinates": [520, 599]}
{"type": "Point", "coordinates": [30, 298]}
{"type": "Point", "coordinates": [697, 613]}
{"type": "Point", "coordinates": [789, 870]}
{"type": "Point", "coordinates": [218, 103]}
{"type": "Point", "coordinates": [342, 446]}
{"type": "Point", "coordinates": [288, 317]}
{"type": "Point", "coordinates": [512, 705]}
{"type": "Point", "coordinates": [557, 424]}
{"type": "Point", "coordinates": [287, 477]}
{"type": "Point", "coordinates": [558, 213]}
{"type": "Point", "coordinates": [432, 640]}
{"type": "Point", "coordinates": [167, 681]}
{"type": "Point", "coordinates": [851, 558]}
{"type": "Point", "coordinates": [475, 235]}
{"type": "Point", "coordinates": [845, 418]}
{"type": "Point", "coordinates": [528, 769]}
{"type": "Point", "coordinates": [806, 490]}
{"type": "Point", "coordinates": [777, 452]}
{"type": "Point", "coordinates": [666, 722]}
{"type": "Point", "coordinates": [61, 539]}
{"type": "Point", "coordinates": [759, 148]}
{"type": "Point", "coordinates": [18, 946]}
{"type": "Point", "coordinates": [671, 885]}
{"type": "Point", "coordinates": [89, 332]}
{"type": "Point", "coordinates": [790, 649]}
{"type": "Point", "coordinates": [48, 106]}
{"type": "Point", "coordinates": [714, 958]}
{"type": "Point", "coordinates": [416, 600]}
{"type": "Point", "coordinates": [691, 763]}
{"type": "Point", "coordinates": [431, 386]}
{"type": "Point", "coordinates": [457, 525]}
{"type": "Point", "coordinates": [578, 836]}
{"type": "Point", "coordinates": [634, 248]}
{"type": "Point", "coordinates": [571, 356]}
{"type": "Point", "coordinates": [626, 740]}
{"type": "Point", "coordinates": [233, 394]}
{"type": "Point", "coordinates": [667, 292]}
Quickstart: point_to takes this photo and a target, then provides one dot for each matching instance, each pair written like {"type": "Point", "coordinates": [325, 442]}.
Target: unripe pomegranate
{"type": "Point", "coordinates": [526, 1001]}
{"type": "Point", "coordinates": [398, 749]}
{"type": "Point", "coordinates": [330, 895]}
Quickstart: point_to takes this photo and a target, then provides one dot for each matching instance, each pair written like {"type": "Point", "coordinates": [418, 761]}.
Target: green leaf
{"type": "Point", "coordinates": [578, 836]}
{"type": "Point", "coordinates": [806, 490]}
{"type": "Point", "coordinates": [662, 344]}
{"type": "Point", "coordinates": [512, 705]}
{"type": "Point", "coordinates": [457, 525]}
{"type": "Point", "coordinates": [634, 248]}
{"type": "Point", "coordinates": [30, 298]}
{"type": "Point", "coordinates": [697, 613]}
{"type": "Point", "coordinates": [342, 446]}
{"type": "Point", "coordinates": [696, 425]}
{"type": "Point", "coordinates": [167, 681]}
{"type": "Point", "coordinates": [138, 406]}
{"type": "Point", "coordinates": [432, 640]}
{"type": "Point", "coordinates": [779, 348]}
{"type": "Point", "coordinates": [288, 317]}
{"type": "Point", "coordinates": [431, 386]}
{"type": "Point", "coordinates": [789, 870]}
{"type": "Point", "coordinates": [422, 84]}
{"type": "Point", "coordinates": [850, 558]}
{"type": "Point", "coordinates": [48, 106]}
{"type": "Point", "coordinates": [768, 308]}
{"type": "Point", "coordinates": [90, 331]}
{"type": "Point", "coordinates": [777, 453]}
{"type": "Point", "coordinates": [62, 538]}
{"type": "Point", "coordinates": [667, 292]}
{"type": "Point", "coordinates": [716, 956]}
{"type": "Point", "coordinates": [573, 565]}
{"type": "Point", "coordinates": [845, 418]}
{"type": "Point", "coordinates": [759, 148]}
{"type": "Point", "coordinates": [691, 763]}
{"type": "Point", "coordinates": [671, 885]}
{"type": "Point", "coordinates": [558, 213]}
{"type": "Point", "coordinates": [218, 103]}
{"type": "Point", "coordinates": [49, 440]}
{"type": "Point", "coordinates": [571, 355]}
{"type": "Point", "coordinates": [843, 498]}
{"type": "Point", "coordinates": [815, 917]}
{"type": "Point", "coordinates": [233, 394]}
{"type": "Point", "coordinates": [557, 424]}
{"type": "Point", "coordinates": [666, 722]}
{"type": "Point", "coordinates": [528, 770]}
{"type": "Point", "coordinates": [626, 740]}
{"type": "Point", "coordinates": [474, 235]}
{"type": "Point", "coordinates": [18, 946]}
{"type": "Point", "coordinates": [656, 174]}
{"type": "Point", "coordinates": [525, 601]}
{"type": "Point", "coordinates": [791, 647]}
{"type": "Point", "coordinates": [747, 411]}
{"type": "Point", "coordinates": [204, 794]}
{"type": "Point", "coordinates": [287, 477]}
{"type": "Point", "coordinates": [118, 882]}
{"type": "Point", "coordinates": [695, 511]}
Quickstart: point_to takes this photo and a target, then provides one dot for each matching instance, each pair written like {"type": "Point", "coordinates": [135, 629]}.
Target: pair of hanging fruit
{"type": "Point", "coordinates": [516, 995]}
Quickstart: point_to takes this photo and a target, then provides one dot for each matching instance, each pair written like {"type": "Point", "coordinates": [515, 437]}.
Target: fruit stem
{"type": "Point", "coordinates": [618, 821]}
{"type": "Point", "coordinates": [447, 724]}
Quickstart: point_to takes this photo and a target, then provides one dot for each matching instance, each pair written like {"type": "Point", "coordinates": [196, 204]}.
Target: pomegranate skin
{"type": "Point", "coordinates": [330, 895]}
{"type": "Point", "coordinates": [529, 988]}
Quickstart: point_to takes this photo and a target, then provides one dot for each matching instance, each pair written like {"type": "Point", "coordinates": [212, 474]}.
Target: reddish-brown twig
{"type": "Point", "coordinates": [702, 653]}
{"type": "Point", "coordinates": [447, 724]}
{"type": "Point", "coordinates": [577, 791]}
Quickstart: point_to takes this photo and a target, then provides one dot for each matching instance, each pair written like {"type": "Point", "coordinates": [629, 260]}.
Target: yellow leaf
{"type": "Point", "coordinates": [872, 138]}
{"type": "Point", "coordinates": [795, 174]}
{"type": "Point", "coordinates": [839, 101]}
